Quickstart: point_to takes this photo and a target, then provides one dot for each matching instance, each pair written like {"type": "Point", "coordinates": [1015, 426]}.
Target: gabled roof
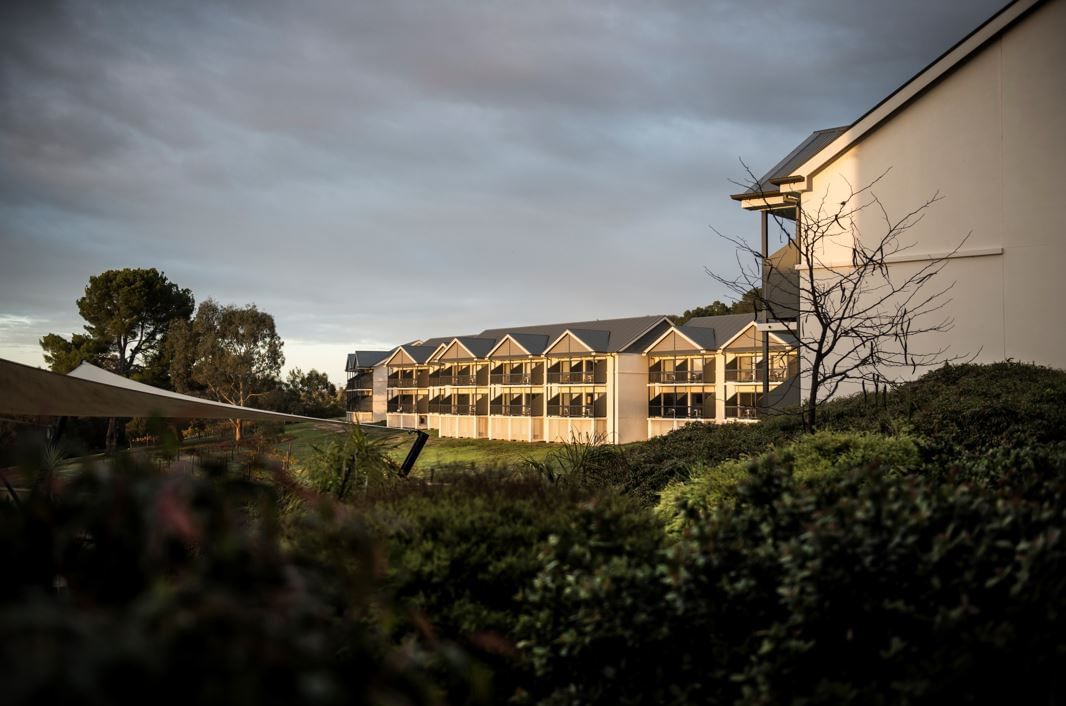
{"type": "Point", "coordinates": [620, 332]}
{"type": "Point", "coordinates": [705, 338]}
{"type": "Point", "coordinates": [725, 326]}
{"type": "Point", "coordinates": [479, 346]}
{"type": "Point", "coordinates": [529, 343]}
{"type": "Point", "coordinates": [418, 353]}
{"type": "Point", "coordinates": [476, 348]}
{"type": "Point", "coordinates": [783, 170]}
{"type": "Point", "coordinates": [365, 359]}
{"type": "Point", "coordinates": [597, 340]}
{"type": "Point", "coordinates": [806, 161]}
{"type": "Point", "coordinates": [783, 338]}
{"type": "Point", "coordinates": [535, 343]}
{"type": "Point", "coordinates": [708, 332]}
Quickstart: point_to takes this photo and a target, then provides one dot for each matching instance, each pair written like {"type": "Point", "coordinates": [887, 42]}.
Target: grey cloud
{"type": "Point", "coordinates": [380, 171]}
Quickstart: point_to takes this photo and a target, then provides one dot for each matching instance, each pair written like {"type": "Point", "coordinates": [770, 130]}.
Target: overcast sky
{"type": "Point", "coordinates": [371, 172]}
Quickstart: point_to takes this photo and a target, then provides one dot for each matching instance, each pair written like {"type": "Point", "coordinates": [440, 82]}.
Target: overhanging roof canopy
{"type": "Point", "coordinates": [89, 391]}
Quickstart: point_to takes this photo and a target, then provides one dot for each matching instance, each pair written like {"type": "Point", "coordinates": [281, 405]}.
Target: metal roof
{"type": "Point", "coordinates": [611, 335]}
{"type": "Point", "coordinates": [478, 345]}
{"type": "Point", "coordinates": [420, 354]}
{"type": "Point", "coordinates": [811, 146]}
{"type": "Point", "coordinates": [725, 326]}
{"type": "Point", "coordinates": [365, 359]}
{"type": "Point", "coordinates": [535, 343]}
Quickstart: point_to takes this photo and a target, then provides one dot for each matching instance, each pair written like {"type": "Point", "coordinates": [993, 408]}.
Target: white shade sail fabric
{"type": "Point", "coordinates": [89, 391]}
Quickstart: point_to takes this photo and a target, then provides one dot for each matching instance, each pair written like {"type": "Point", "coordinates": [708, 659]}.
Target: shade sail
{"type": "Point", "coordinates": [89, 391]}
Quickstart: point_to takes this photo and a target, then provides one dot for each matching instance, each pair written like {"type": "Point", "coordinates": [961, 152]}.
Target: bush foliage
{"type": "Point", "coordinates": [822, 455]}
{"type": "Point", "coordinates": [910, 553]}
{"type": "Point", "coordinates": [134, 585]}
{"type": "Point", "coordinates": [867, 588]}
{"type": "Point", "coordinates": [461, 552]}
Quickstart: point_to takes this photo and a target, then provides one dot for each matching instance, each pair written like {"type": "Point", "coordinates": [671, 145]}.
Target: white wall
{"type": "Point", "coordinates": [630, 403]}
{"type": "Point", "coordinates": [991, 139]}
{"type": "Point", "coordinates": [380, 383]}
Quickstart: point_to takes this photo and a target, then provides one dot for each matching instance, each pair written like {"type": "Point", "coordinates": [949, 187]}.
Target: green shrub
{"type": "Point", "coordinates": [129, 585]}
{"type": "Point", "coordinates": [972, 408]}
{"type": "Point", "coordinates": [348, 464]}
{"type": "Point", "coordinates": [643, 470]}
{"type": "Point", "coordinates": [819, 455]}
{"type": "Point", "coordinates": [865, 587]}
{"type": "Point", "coordinates": [462, 552]}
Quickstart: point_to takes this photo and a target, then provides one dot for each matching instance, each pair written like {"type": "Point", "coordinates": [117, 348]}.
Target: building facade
{"type": "Point", "coordinates": [617, 380]}
{"type": "Point", "coordinates": [977, 135]}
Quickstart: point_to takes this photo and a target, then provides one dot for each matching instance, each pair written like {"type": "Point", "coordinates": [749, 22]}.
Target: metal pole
{"type": "Point", "coordinates": [765, 309]}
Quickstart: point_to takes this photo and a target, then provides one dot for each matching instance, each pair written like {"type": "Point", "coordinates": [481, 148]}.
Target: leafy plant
{"type": "Point", "coordinates": [348, 464]}
{"type": "Point", "coordinates": [126, 582]}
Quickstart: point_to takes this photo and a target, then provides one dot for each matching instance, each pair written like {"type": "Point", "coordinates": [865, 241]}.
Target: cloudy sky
{"type": "Point", "coordinates": [371, 172]}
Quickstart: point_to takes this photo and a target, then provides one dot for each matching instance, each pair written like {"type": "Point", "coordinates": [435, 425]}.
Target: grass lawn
{"type": "Point", "coordinates": [302, 437]}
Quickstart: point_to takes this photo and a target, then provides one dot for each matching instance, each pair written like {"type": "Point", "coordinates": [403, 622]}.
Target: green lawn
{"type": "Point", "coordinates": [301, 438]}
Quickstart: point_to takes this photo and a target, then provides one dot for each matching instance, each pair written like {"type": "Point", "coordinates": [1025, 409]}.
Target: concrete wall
{"type": "Point", "coordinates": [516, 428]}
{"type": "Point", "coordinates": [989, 139]}
{"type": "Point", "coordinates": [628, 409]}
{"type": "Point", "coordinates": [380, 383]}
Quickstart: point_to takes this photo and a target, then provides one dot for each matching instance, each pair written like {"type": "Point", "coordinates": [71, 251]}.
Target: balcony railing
{"type": "Point", "coordinates": [449, 408]}
{"type": "Point", "coordinates": [461, 380]}
{"type": "Point", "coordinates": [741, 412]}
{"type": "Point", "coordinates": [360, 405]}
{"type": "Point", "coordinates": [511, 379]}
{"type": "Point", "coordinates": [676, 376]}
{"type": "Point", "coordinates": [403, 408]}
{"type": "Point", "coordinates": [675, 412]}
{"type": "Point", "coordinates": [403, 382]}
{"type": "Point", "coordinates": [577, 378]}
{"type": "Point", "coordinates": [360, 383]}
{"type": "Point", "coordinates": [574, 410]}
{"type": "Point", "coordinates": [756, 375]}
{"type": "Point", "coordinates": [511, 410]}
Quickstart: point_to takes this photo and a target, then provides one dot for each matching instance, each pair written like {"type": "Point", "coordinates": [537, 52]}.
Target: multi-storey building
{"type": "Point", "coordinates": [365, 391]}
{"type": "Point", "coordinates": [971, 148]}
{"type": "Point", "coordinates": [618, 380]}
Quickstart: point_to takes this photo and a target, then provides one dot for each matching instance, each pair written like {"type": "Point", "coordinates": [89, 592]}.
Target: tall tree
{"type": "Point", "coordinates": [232, 353]}
{"type": "Point", "coordinates": [311, 394]}
{"type": "Point", "coordinates": [127, 313]}
{"type": "Point", "coordinates": [744, 305]}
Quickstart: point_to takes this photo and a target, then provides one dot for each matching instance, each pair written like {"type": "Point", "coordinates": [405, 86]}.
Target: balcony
{"type": "Point", "coordinates": [458, 380]}
{"type": "Point", "coordinates": [395, 408]}
{"type": "Point", "coordinates": [402, 382]}
{"type": "Point", "coordinates": [577, 378]}
{"type": "Point", "coordinates": [511, 410]}
{"type": "Point", "coordinates": [756, 375]}
{"type": "Point", "coordinates": [573, 410]}
{"type": "Point", "coordinates": [675, 412]}
{"type": "Point", "coordinates": [677, 376]}
{"type": "Point", "coordinates": [363, 382]}
{"type": "Point", "coordinates": [359, 404]}
{"type": "Point", "coordinates": [511, 379]}
{"type": "Point", "coordinates": [741, 412]}
{"type": "Point", "coordinates": [450, 408]}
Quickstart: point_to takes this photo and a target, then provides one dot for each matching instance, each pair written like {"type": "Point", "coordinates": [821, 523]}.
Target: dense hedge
{"type": "Point", "coordinates": [926, 566]}
{"type": "Point", "coordinates": [137, 586]}
{"type": "Point", "coordinates": [867, 589]}
{"type": "Point", "coordinates": [972, 408]}
{"type": "Point", "coordinates": [821, 455]}
{"type": "Point", "coordinates": [642, 470]}
{"type": "Point", "coordinates": [462, 551]}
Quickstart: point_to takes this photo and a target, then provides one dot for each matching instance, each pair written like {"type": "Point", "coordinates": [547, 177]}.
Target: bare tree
{"type": "Point", "coordinates": [854, 321]}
